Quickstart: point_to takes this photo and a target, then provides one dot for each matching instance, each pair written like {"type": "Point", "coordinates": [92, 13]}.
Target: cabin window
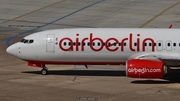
{"type": "Point", "coordinates": [145, 44]}
{"type": "Point", "coordinates": [154, 44]}
{"type": "Point", "coordinates": [64, 43]}
{"type": "Point", "coordinates": [150, 44]}
{"type": "Point", "coordinates": [99, 44]}
{"type": "Point", "coordinates": [114, 44]}
{"type": "Point", "coordinates": [74, 43]}
{"type": "Point", "coordinates": [159, 44]}
{"type": "Point", "coordinates": [119, 44]}
{"type": "Point", "coordinates": [93, 44]}
{"type": "Point", "coordinates": [84, 43]}
{"type": "Point", "coordinates": [174, 44]}
{"type": "Point", "coordinates": [79, 43]}
{"type": "Point", "coordinates": [109, 44]}
{"type": "Point", "coordinates": [135, 44]}
{"type": "Point", "coordinates": [88, 44]}
{"type": "Point", "coordinates": [124, 44]}
{"type": "Point", "coordinates": [168, 44]}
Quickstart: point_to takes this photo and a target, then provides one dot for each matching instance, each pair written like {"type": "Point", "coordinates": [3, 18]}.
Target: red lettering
{"type": "Point", "coordinates": [70, 48]}
{"type": "Point", "coordinates": [138, 43]}
{"type": "Point", "coordinates": [83, 43]}
{"type": "Point", "coordinates": [152, 42]}
{"type": "Point", "coordinates": [130, 43]}
{"type": "Point", "coordinates": [108, 46]}
{"type": "Point", "coordinates": [92, 40]}
{"type": "Point", "coordinates": [122, 43]}
{"type": "Point", "coordinates": [97, 44]}
{"type": "Point", "coordinates": [77, 43]}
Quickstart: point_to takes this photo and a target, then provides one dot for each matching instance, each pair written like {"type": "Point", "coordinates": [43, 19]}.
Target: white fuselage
{"type": "Point", "coordinates": [98, 45]}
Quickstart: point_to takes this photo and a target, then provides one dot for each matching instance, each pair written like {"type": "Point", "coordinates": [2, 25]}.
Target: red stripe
{"type": "Point", "coordinates": [75, 63]}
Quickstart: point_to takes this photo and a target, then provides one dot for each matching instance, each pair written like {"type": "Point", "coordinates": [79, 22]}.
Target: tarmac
{"type": "Point", "coordinates": [18, 82]}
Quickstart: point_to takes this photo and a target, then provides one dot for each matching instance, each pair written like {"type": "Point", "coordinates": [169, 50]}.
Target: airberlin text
{"type": "Point", "coordinates": [104, 43]}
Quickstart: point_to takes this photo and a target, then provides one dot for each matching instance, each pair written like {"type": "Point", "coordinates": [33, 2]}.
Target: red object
{"type": "Point", "coordinates": [91, 38]}
{"type": "Point", "coordinates": [36, 64]}
{"type": "Point", "coordinates": [43, 63]}
{"type": "Point", "coordinates": [141, 68]}
{"type": "Point", "coordinates": [170, 26]}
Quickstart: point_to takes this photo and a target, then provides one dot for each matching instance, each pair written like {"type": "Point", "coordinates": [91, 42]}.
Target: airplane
{"type": "Point", "coordinates": [146, 52]}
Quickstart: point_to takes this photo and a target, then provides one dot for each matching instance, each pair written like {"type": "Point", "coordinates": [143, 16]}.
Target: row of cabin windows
{"type": "Point", "coordinates": [93, 44]}
{"type": "Point", "coordinates": [115, 44]}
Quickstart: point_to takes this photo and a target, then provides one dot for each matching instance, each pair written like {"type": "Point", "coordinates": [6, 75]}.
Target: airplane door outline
{"type": "Point", "coordinates": [159, 45]}
{"type": "Point", "coordinates": [50, 43]}
{"type": "Point", "coordinates": [168, 45]}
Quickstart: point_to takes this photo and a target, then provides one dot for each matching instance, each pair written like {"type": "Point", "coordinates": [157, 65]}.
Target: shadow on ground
{"type": "Point", "coordinates": [152, 82]}
{"type": "Point", "coordinates": [172, 77]}
{"type": "Point", "coordinates": [82, 72]}
{"type": "Point", "coordinates": [167, 80]}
